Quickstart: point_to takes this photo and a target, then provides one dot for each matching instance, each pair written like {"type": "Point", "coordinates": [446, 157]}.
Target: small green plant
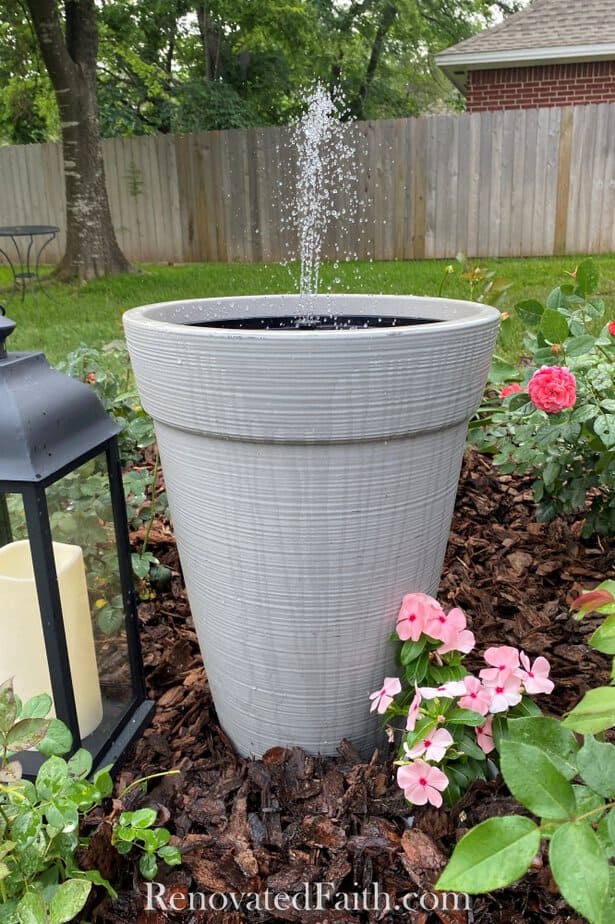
{"type": "Point", "coordinates": [40, 880]}
{"type": "Point", "coordinates": [484, 285]}
{"type": "Point", "coordinates": [568, 785]}
{"type": "Point", "coordinates": [136, 829]}
{"type": "Point", "coordinates": [556, 420]}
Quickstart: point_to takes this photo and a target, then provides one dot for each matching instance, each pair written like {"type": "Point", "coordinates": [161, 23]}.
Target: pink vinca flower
{"type": "Point", "coordinates": [477, 697]}
{"type": "Point", "coordinates": [422, 783]}
{"type": "Point", "coordinates": [511, 389]}
{"type": "Point", "coordinates": [431, 748]}
{"type": "Point", "coordinates": [415, 610]}
{"type": "Point", "coordinates": [553, 389]}
{"type": "Point", "coordinates": [535, 679]}
{"type": "Point", "coordinates": [458, 638]}
{"type": "Point", "coordinates": [484, 736]}
{"type": "Point", "coordinates": [447, 690]}
{"type": "Point", "coordinates": [382, 699]}
{"type": "Point", "coordinates": [413, 711]}
{"type": "Point", "coordinates": [503, 658]}
{"type": "Point", "coordinates": [505, 691]}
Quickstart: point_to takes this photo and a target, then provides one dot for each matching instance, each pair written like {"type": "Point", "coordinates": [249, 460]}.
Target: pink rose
{"type": "Point", "coordinates": [552, 389]}
{"type": "Point", "coordinates": [511, 389]}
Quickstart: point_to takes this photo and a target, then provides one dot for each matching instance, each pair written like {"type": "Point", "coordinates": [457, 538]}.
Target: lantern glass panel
{"type": "Point", "coordinates": [80, 513]}
{"type": "Point", "coordinates": [93, 600]}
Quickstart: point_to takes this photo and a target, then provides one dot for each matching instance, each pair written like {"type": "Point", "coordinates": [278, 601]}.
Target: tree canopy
{"type": "Point", "coordinates": [179, 65]}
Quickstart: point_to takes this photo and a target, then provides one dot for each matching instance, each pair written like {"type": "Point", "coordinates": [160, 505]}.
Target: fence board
{"type": "Point", "coordinates": [522, 182]}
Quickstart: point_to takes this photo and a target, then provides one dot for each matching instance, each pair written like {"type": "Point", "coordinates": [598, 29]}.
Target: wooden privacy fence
{"type": "Point", "coordinates": [517, 183]}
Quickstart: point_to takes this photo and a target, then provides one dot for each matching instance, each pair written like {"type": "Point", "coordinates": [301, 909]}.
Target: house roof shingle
{"type": "Point", "coordinates": [545, 32]}
{"type": "Point", "coordinates": [546, 24]}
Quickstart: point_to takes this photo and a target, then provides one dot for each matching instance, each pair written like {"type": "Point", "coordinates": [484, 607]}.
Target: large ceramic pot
{"type": "Point", "coordinates": [311, 476]}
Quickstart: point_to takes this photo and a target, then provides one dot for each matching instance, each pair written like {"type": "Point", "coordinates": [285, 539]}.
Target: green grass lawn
{"type": "Point", "coordinates": [92, 314]}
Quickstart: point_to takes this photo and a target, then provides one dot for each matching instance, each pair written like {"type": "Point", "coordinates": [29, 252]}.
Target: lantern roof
{"type": "Point", "coordinates": [48, 420]}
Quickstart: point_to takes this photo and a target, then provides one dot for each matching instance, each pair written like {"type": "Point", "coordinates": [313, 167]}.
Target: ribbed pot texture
{"type": "Point", "coordinates": [311, 478]}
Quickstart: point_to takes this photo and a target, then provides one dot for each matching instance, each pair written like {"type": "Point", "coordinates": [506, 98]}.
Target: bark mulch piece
{"type": "Point", "coordinates": [289, 819]}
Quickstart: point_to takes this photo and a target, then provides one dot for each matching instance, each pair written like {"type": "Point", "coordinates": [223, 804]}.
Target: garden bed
{"type": "Point", "coordinates": [289, 818]}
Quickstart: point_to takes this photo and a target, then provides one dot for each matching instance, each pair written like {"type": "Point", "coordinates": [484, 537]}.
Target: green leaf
{"type": "Point", "coordinates": [31, 909]}
{"type": "Point", "coordinates": [534, 780]}
{"type": "Point", "coordinates": [104, 782]}
{"type": "Point", "coordinates": [604, 427]}
{"type": "Point", "coordinates": [587, 277]}
{"type": "Point", "coordinates": [606, 833]}
{"type": "Point", "coordinates": [110, 620]}
{"type": "Point", "coordinates": [603, 639]}
{"type": "Point", "coordinates": [464, 717]}
{"type": "Point", "coordinates": [553, 326]}
{"type": "Point", "coordinates": [550, 736]}
{"type": "Point", "coordinates": [26, 734]}
{"type": "Point", "coordinates": [581, 870]}
{"type": "Point", "coordinates": [68, 900]}
{"type": "Point", "coordinates": [578, 346]}
{"type": "Point", "coordinates": [411, 650]}
{"type": "Point", "coordinates": [80, 763]}
{"type": "Point", "coordinates": [595, 712]}
{"type": "Point", "coordinates": [36, 708]}
{"type": "Point", "coordinates": [492, 855]}
{"type": "Point", "coordinates": [530, 312]}
{"type": "Point", "coordinates": [8, 706]}
{"type": "Point", "coordinates": [148, 866]}
{"type": "Point", "coordinates": [596, 761]}
{"type": "Point", "coordinates": [142, 818]}
{"type": "Point", "coordinates": [587, 801]}
{"type": "Point", "coordinates": [51, 778]}
{"type": "Point", "coordinates": [501, 371]}
{"type": "Point", "coordinates": [93, 875]}
{"type": "Point", "coordinates": [170, 855]}
{"type": "Point", "coordinates": [58, 739]}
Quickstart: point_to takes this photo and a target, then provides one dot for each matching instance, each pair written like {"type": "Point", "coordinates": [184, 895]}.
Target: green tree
{"type": "Point", "coordinates": [68, 46]}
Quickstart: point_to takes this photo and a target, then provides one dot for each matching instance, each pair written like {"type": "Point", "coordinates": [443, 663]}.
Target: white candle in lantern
{"type": "Point", "coordinates": [22, 646]}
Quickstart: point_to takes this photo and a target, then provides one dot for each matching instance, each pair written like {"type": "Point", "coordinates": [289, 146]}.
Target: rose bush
{"type": "Point", "coordinates": [556, 421]}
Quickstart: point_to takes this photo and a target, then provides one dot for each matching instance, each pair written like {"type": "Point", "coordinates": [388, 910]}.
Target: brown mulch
{"type": "Point", "coordinates": [290, 818]}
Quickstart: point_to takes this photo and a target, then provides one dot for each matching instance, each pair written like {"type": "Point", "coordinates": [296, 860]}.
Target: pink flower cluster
{"type": "Point", "coordinates": [420, 615]}
{"type": "Point", "coordinates": [498, 687]}
{"type": "Point", "coordinates": [552, 389]}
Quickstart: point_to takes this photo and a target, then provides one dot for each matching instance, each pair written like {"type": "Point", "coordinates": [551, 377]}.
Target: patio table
{"type": "Point", "coordinates": [22, 247]}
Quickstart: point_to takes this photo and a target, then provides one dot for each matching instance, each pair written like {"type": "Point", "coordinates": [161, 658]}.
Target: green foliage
{"type": "Point", "coordinates": [569, 787]}
{"type": "Point", "coordinates": [40, 878]}
{"type": "Point", "coordinates": [136, 829]}
{"type": "Point", "coordinates": [596, 711]}
{"type": "Point", "coordinates": [174, 65]}
{"type": "Point", "coordinates": [570, 454]}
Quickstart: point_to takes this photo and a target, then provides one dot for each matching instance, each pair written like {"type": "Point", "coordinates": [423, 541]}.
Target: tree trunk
{"type": "Point", "coordinates": [70, 58]}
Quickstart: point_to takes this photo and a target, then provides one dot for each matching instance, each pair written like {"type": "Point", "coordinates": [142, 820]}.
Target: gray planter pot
{"type": "Point", "coordinates": [311, 477]}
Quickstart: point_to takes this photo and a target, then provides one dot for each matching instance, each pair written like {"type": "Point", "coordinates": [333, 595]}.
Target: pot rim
{"type": "Point", "coordinates": [155, 315]}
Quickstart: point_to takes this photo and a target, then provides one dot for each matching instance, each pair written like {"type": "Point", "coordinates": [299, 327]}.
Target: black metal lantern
{"type": "Point", "coordinates": [68, 621]}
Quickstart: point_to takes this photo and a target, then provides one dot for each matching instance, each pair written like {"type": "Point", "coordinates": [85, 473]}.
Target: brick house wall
{"type": "Point", "coordinates": [541, 85]}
